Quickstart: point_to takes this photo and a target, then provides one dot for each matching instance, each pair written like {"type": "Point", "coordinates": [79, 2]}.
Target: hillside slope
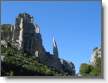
{"type": "Point", "coordinates": [16, 63]}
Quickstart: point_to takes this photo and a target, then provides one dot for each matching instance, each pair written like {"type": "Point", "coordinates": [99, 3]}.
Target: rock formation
{"type": "Point", "coordinates": [26, 36]}
{"type": "Point", "coordinates": [96, 53]}
{"type": "Point", "coordinates": [55, 49]}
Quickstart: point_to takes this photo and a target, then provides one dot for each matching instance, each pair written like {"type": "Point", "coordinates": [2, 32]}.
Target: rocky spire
{"type": "Point", "coordinates": [55, 49]}
{"type": "Point", "coordinates": [21, 31]}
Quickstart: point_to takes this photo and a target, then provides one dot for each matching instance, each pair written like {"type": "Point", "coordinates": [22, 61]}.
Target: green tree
{"type": "Point", "coordinates": [97, 71]}
{"type": "Point", "coordinates": [92, 70]}
{"type": "Point", "coordinates": [85, 69]}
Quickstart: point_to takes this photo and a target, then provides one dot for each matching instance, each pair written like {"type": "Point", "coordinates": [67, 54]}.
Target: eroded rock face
{"type": "Point", "coordinates": [6, 32]}
{"type": "Point", "coordinates": [26, 35]}
{"type": "Point", "coordinates": [53, 61]}
{"type": "Point", "coordinates": [96, 53]}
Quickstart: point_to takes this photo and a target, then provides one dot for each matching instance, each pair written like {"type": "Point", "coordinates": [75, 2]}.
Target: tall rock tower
{"type": "Point", "coordinates": [55, 49]}
{"type": "Point", "coordinates": [27, 34]}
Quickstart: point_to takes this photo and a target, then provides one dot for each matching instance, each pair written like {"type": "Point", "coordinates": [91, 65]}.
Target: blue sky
{"type": "Point", "coordinates": [75, 25]}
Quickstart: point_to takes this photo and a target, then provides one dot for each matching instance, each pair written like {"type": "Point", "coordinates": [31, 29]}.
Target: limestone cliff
{"type": "Point", "coordinates": [26, 36]}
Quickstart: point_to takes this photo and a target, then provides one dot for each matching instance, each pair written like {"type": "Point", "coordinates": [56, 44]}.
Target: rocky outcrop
{"type": "Point", "coordinates": [25, 33]}
{"type": "Point", "coordinates": [6, 32]}
{"type": "Point", "coordinates": [96, 53]}
{"type": "Point", "coordinates": [26, 36]}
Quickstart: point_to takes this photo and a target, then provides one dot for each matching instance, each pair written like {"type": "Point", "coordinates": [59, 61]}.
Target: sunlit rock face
{"type": "Point", "coordinates": [26, 36]}
{"type": "Point", "coordinates": [96, 53]}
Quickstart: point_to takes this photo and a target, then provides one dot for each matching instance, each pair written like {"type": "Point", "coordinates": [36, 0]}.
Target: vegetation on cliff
{"type": "Point", "coordinates": [17, 63]}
